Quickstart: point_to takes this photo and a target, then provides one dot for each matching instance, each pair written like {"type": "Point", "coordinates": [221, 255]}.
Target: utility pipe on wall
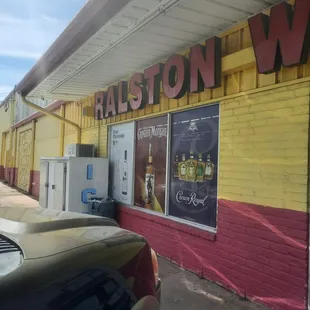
{"type": "Point", "coordinates": [15, 154]}
{"type": "Point", "coordinates": [62, 119]}
{"type": "Point", "coordinates": [2, 156]}
{"type": "Point", "coordinates": [62, 132]}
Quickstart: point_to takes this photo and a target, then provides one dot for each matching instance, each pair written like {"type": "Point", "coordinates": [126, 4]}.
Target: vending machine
{"type": "Point", "coordinates": [67, 183]}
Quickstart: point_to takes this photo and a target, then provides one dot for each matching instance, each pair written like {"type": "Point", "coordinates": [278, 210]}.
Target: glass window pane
{"type": "Point", "coordinates": [194, 165]}
{"type": "Point", "coordinates": [150, 163]}
{"type": "Point", "coordinates": [121, 162]}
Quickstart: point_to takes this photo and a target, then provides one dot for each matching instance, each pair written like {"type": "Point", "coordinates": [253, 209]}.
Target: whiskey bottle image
{"type": "Point", "coordinates": [200, 169]}
{"type": "Point", "coordinates": [125, 178]}
{"type": "Point", "coordinates": [191, 166]}
{"type": "Point", "coordinates": [176, 167]}
{"type": "Point", "coordinates": [149, 181]}
{"type": "Point", "coordinates": [209, 169]}
{"type": "Point", "coordinates": [182, 168]}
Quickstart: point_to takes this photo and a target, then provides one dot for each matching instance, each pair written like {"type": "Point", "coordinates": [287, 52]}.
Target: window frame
{"type": "Point", "coordinates": [166, 215]}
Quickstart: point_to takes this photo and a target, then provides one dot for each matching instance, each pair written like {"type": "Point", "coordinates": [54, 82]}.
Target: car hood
{"type": "Point", "coordinates": [41, 232]}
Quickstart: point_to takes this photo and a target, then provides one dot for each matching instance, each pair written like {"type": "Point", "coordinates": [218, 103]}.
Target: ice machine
{"type": "Point", "coordinates": [67, 183]}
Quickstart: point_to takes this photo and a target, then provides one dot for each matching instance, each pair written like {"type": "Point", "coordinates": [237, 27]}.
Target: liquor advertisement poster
{"type": "Point", "coordinates": [150, 175]}
{"type": "Point", "coordinates": [121, 162]}
{"type": "Point", "coordinates": [194, 165]}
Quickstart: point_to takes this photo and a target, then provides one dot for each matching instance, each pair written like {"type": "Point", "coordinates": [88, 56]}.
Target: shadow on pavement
{"type": "Point", "coordinates": [182, 290]}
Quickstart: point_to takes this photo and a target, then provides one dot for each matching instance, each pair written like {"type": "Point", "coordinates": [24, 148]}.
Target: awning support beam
{"type": "Point", "coordinates": [52, 114]}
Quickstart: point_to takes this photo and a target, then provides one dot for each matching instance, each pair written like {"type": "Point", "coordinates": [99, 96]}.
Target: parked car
{"type": "Point", "coordinates": [67, 261]}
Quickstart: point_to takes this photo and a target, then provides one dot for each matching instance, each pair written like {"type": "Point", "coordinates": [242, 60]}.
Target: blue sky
{"type": "Point", "coordinates": [27, 29]}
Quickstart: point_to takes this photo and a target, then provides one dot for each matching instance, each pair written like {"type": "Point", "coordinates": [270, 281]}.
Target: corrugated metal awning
{"type": "Point", "coordinates": [141, 33]}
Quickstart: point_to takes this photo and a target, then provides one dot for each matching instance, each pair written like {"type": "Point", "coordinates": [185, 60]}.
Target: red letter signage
{"type": "Point", "coordinates": [205, 65]}
{"type": "Point", "coordinates": [202, 69]}
{"type": "Point", "coordinates": [99, 101]}
{"type": "Point", "coordinates": [283, 38]}
{"type": "Point", "coordinates": [153, 77]}
{"type": "Point", "coordinates": [137, 89]}
{"type": "Point", "coordinates": [176, 77]}
{"type": "Point", "coordinates": [111, 104]}
{"type": "Point", "coordinates": [122, 97]}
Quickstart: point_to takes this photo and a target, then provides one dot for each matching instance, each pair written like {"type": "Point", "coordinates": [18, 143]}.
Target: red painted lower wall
{"type": "Point", "coordinates": [13, 174]}
{"type": "Point", "coordinates": [258, 252]}
{"type": "Point", "coordinates": [10, 176]}
{"type": "Point", "coordinates": [6, 174]}
{"type": "Point", "coordinates": [1, 172]}
{"type": "Point", "coordinates": [34, 183]}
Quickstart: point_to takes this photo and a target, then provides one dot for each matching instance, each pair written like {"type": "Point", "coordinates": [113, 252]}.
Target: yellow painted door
{"type": "Point", "coordinates": [24, 159]}
{"type": "Point", "coordinates": [7, 151]}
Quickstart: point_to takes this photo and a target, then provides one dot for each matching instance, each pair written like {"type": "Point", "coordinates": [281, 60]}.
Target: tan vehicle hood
{"type": "Point", "coordinates": [41, 232]}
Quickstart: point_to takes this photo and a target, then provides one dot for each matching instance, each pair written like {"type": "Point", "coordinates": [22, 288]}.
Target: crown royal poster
{"type": "Point", "coordinates": [194, 165]}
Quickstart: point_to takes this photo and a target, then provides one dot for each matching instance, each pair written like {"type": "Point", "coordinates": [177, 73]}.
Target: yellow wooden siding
{"type": "Point", "coordinates": [69, 139]}
{"type": "Point", "coordinates": [264, 148]}
{"type": "Point", "coordinates": [103, 141]}
{"type": "Point", "coordinates": [13, 148]}
{"type": "Point", "coordinates": [7, 155]}
{"type": "Point", "coordinates": [47, 139]}
{"type": "Point", "coordinates": [3, 147]}
{"type": "Point", "coordinates": [73, 112]}
{"type": "Point", "coordinates": [87, 122]}
{"type": "Point", "coordinates": [6, 118]}
{"type": "Point", "coordinates": [91, 136]}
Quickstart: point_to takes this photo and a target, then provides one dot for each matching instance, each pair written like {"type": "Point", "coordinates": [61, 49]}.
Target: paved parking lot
{"type": "Point", "coordinates": [181, 290]}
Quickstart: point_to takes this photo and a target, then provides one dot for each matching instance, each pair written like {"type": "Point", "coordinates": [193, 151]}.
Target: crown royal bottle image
{"type": "Point", "coordinates": [191, 166]}
{"type": "Point", "coordinates": [125, 178]}
{"type": "Point", "coordinates": [149, 181]}
{"type": "Point", "coordinates": [182, 168]}
{"type": "Point", "coordinates": [200, 169]}
{"type": "Point", "coordinates": [176, 167]}
{"type": "Point", "coordinates": [209, 169]}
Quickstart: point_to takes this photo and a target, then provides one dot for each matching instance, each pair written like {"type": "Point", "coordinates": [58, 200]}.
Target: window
{"type": "Point", "coordinates": [150, 163]}
{"type": "Point", "coordinates": [121, 162]}
{"type": "Point", "coordinates": [191, 139]}
{"type": "Point", "coordinates": [194, 162]}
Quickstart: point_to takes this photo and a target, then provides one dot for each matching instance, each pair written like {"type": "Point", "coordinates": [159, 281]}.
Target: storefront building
{"type": "Point", "coordinates": [208, 150]}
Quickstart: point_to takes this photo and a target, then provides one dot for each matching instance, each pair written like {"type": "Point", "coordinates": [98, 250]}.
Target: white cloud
{"type": "Point", "coordinates": [27, 29]}
{"type": "Point", "coordinates": [4, 91]}
{"type": "Point", "coordinates": [27, 38]}
{"type": "Point", "coordinates": [9, 76]}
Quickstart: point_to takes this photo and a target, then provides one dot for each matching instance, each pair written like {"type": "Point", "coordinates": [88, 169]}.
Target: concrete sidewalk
{"type": "Point", "coordinates": [181, 290]}
{"type": "Point", "coordinates": [10, 197]}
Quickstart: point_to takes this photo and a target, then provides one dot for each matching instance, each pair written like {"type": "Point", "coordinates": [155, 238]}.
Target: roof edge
{"type": "Point", "coordinates": [92, 17]}
{"type": "Point", "coordinates": [7, 98]}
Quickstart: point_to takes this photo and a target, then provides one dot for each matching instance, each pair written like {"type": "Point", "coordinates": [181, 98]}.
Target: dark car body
{"type": "Point", "coordinates": [64, 260]}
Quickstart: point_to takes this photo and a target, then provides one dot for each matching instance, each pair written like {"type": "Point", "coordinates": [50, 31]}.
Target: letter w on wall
{"type": "Point", "coordinates": [282, 38]}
